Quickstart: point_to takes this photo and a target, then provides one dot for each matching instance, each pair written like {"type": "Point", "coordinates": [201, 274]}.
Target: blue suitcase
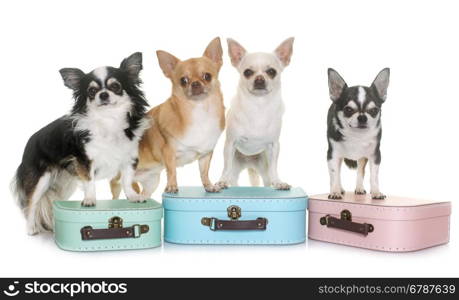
{"type": "Point", "coordinates": [237, 215]}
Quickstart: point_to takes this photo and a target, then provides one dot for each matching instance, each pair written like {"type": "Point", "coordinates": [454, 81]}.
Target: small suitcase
{"type": "Point", "coordinates": [395, 224]}
{"type": "Point", "coordinates": [110, 225]}
{"type": "Point", "coordinates": [237, 215]}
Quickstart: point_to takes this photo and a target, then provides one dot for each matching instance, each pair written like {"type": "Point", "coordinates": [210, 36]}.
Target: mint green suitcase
{"type": "Point", "coordinates": [110, 225]}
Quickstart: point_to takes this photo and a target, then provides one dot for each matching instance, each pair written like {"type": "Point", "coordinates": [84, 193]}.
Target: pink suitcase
{"type": "Point", "coordinates": [395, 224]}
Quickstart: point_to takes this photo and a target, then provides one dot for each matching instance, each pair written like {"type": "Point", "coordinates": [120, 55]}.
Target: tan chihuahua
{"type": "Point", "coordinates": [186, 127]}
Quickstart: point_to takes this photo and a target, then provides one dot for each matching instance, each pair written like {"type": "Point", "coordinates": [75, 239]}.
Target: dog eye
{"type": "Point", "coordinates": [248, 73]}
{"type": "Point", "coordinates": [348, 110]}
{"type": "Point", "coordinates": [207, 77]}
{"type": "Point", "coordinates": [116, 87]}
{"type": "Point", "coordinates": [184, 81]}
{"type": "Point", "coordinates": [374, 111]}
{"type": "Point", "coordinates": [92, 91]}
{"type": "Point", "coordinates": [271, 72]}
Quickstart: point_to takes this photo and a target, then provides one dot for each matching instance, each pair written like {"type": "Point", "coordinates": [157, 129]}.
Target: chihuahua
{"type": "Point", "coordinates": [98, 139]}
{"type": "Point", "coordinates": [255, 116]}
{"type": "Point", "coordinates": [187, 126]}
{"type": "Point", "coordinates": [354, 131]}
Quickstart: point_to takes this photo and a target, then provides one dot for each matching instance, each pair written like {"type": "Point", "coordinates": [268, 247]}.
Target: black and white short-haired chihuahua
{"type": "Point", "coordinates": [98, 139]}
{"type": "Point", "coordinates": [354, 131]}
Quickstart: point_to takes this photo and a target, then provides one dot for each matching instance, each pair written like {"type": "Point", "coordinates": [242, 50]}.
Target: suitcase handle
{"type": "Point", "coordinates": [345, 223]}
{"type": "Point", "coordinates": [234, 213]}
{"type": "Point", "coordinates": [215, 224]}
{"type": "Point", "coordinates": [115, 230]}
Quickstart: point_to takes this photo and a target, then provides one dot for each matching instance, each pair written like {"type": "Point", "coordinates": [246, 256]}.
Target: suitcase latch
{"type": "Point", "coordinates": [346, 215]}
{"type": "Point", "coordinates": [234, 212]}
{"type": "Point", "coordinates": [115, 222]}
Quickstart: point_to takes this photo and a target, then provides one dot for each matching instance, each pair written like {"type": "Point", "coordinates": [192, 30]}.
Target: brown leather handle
{"type": "Point", "coordinates": [88, 233]}
{"type": "Point", "coordinates": [216, 224]}
{"type": "Point", "coordinates": [348, 225]}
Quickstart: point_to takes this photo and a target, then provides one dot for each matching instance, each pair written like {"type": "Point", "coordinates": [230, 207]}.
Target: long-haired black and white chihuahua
{"type": "Point", "coordinates": [98, 139]}
{"type": "Point", "coordinates": [354, 131]}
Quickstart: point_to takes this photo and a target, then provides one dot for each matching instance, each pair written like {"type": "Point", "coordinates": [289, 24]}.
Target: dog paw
{"type": "Point", "coordinates": [171, 189]}
{"type": "Point", "coordinates": [222, 184]}
{"type": "Point", "coordinates": [360, 191]}
{"type": "Point", "coordinates": [88, 202]}
{"type": "Point", "coordinates": [32, 230]}
{"type": "Point", "coordinates": [281, 186]}
{"type": "Point", "coordinates": [378, 196]}
{"type": "Point", "coordinates": [212, 188]}
{"type": "Point", "coordinates": [335, 196]}
{"type": "Point", "coordinates": [137, 198]}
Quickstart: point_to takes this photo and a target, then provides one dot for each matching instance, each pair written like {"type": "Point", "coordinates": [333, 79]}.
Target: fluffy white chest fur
{"type": "Point", "coordinates": [356, 145]}
{"type": "Point", "coordinates": [109, 148]}
{"type": "Point", "coordinates": [255, 122]}
{"type": "Point", "coordinates": [200, 136]}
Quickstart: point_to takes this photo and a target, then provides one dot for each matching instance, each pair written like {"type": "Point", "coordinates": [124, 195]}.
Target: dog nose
{"type": "Point", "coordinates": [197, 88]}
{"type": "Point", "coordinates": [259, 82]}
{"type": "Point", "coordinates": [259, 79]}
{"type": "Point", "coordinates": [103, 96]}
{"type": "Point", "coordinates": [195, 84]}
{"type": "Point", "coordinates": [362, 119]}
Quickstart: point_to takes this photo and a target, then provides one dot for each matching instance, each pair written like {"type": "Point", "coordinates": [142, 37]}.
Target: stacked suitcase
{"type": "Point", "coordinates": [110, 225]}
{"type": "Point", "coordinates": [395, 224]}
{"type": "Point", "coordinates": [237, 215]}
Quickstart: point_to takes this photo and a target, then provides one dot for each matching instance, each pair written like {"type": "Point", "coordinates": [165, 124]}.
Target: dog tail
{"type": "Point", "coordinates": [17, 187]}
{"type": "Point", "coordinates": [36, 192]}
{"type": "Point", "coordinates": [352, 164]}
{"type": "Point", "coordinates": [253, 177]}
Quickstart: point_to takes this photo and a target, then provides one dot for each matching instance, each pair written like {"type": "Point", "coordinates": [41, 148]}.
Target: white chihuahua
{"type": "Point", "coordinates": [254, 120]}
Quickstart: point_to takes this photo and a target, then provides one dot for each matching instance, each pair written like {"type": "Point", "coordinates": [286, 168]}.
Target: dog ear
{"type": "Point", "coordinates": [167, 62]}
{"type": "Point", "coordinates": [381, 83]}
{"type": "Point", "coordinates": [236, 52]}
{"type": "Point", "coordinates": [285, 50]}
{"type": "Point", "coordinates": [72, 77]}
{"type": "Point", "coordinates": [132, 65]}
{"type": "Point", "coordinates": [336, 84]}
{"type": "Point", "coordinates": [214, 51]}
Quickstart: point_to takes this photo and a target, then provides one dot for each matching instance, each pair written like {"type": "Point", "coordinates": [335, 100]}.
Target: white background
{"type": "Point", "coordinates": [418, 40]}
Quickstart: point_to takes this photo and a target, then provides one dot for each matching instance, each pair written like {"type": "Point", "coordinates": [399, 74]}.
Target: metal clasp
{"type": "Point", "coordinates": [136, 230]}
{"type": "Point", "coordinates": [115, 222]}
{"type": "Point", "coordinates": [234, 212]}
{"type": "Point", "coordinates": [346, 215]}
{"type": "Point", "coordinates": [210, 222]}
